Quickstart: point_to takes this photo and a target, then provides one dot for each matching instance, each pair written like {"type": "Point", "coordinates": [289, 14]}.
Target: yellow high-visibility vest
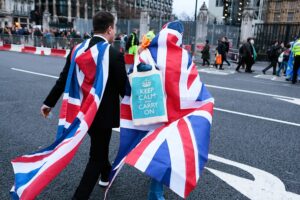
{"type": "Point", "coordinates": [296, 48]}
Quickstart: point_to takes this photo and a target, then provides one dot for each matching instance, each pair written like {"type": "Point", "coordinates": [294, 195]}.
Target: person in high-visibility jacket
{"type": "Point", "coordinates": [132, 42]}
{"type": "Point", "coordinates": [296, 51]}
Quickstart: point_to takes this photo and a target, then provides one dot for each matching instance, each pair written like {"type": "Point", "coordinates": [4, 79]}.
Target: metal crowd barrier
{"type": "Point", "coordinates": [40, 41]}
{"type": "Point", "coordinates": [50, 42]}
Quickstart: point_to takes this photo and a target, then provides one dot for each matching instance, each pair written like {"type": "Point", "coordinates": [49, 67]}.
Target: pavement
{"type": "Point", "coordinates": [254, 147]}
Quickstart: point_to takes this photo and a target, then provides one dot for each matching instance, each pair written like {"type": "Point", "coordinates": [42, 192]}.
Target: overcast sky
{"type": "Point", "coordinates": [187, 6]}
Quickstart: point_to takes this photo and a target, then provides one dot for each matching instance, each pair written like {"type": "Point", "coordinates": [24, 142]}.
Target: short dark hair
{"type": "Point", "coordinates": [102, 20]}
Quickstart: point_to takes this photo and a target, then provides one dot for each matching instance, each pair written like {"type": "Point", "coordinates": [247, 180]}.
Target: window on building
{"type": "Point", "coordinates": [292, 5]}
{"type": "Point", "coordinates": [277, 17]}
{"type": "Point", "coordinates": [277, 5]}
{"type": "Point", "coordinates": [219, 3]}
{"type": "Point", "coordinates": [290, 16]}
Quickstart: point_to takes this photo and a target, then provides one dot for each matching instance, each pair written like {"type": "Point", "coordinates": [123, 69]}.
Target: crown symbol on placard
{"type": "Point", "coordinates": [146, 83]}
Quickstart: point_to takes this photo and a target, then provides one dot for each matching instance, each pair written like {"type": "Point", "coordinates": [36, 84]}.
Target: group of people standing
{"type": "Point", "coordinates": [279, 54]}
{"type": "Point", "coordinates": [221, 50]}
{"type": "Point", "coordinates": [283, 55]}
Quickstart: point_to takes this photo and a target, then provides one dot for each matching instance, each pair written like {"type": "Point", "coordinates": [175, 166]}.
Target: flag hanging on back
{"type": "Point", "coordinates": [84, 89]}
{"type": "Point", "coordinates": [173, 153]}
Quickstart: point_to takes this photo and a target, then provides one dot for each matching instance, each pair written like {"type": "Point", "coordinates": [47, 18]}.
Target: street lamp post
{"type": "Point", "coordinates": [195, 26]}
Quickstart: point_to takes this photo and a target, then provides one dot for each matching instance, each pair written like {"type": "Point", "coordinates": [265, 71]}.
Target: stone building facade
{"type": "Point", "coordinates": [68, 10]}
{"type": "Point", "coordinates": [14, 12]}
{"type": "Point", "coordinates": [283, 11]}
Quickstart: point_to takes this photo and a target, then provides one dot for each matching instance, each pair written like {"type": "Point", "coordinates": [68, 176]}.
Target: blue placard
{"type": "Point", "coordinates": [147, 97]}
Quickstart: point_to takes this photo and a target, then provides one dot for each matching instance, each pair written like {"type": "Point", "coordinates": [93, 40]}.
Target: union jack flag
{"type": "Point", "coordinates": [173, 153]}
{"type": "Point", "coordinates": [84, 89]}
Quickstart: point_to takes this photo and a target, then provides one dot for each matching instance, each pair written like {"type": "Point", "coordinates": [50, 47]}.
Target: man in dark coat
{"type": "Point", "coordinates": [205, 53]}
{"type": "Point", "coordinates": [273, 56]}
{"type": "Point", "coordinates": [227, 46]}
{"type": "Point", "coordinates": [247, 56]}
{"type": "Point", "coordinates": [108, 114]}
{"type": "Point", "coordinates": [221, 49]}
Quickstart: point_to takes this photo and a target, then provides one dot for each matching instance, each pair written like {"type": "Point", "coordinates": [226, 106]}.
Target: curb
{"type": "Point", "coordinates": [43, 51]}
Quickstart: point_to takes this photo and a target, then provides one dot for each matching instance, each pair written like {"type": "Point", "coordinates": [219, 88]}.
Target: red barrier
{"type": "Point", "coordinates": [5, 47]}
{"type": "Point", "coordinates": [58, 52]}
{"type": "Point", "coordinates": [129, 58]}
{"type": "Point", "coordinates": [28, 49]}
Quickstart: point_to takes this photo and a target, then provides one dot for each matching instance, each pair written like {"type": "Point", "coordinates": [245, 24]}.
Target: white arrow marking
{"type": "Point", "coordinates": [293, 100]}
{"type": "Point", "coordinates": [264, 187]}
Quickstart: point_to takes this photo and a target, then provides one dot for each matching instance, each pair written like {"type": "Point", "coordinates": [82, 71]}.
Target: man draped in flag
{"type": "Point", "coordinates": [173, 153]}
{"type": "Point", "coordinates": [92, 80]}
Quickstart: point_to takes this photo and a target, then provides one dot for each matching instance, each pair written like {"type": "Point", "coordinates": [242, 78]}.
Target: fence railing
{"type": "Point", "coordinates": [266, 34]}
{"type": "Point", "coordinates": [40, 41]}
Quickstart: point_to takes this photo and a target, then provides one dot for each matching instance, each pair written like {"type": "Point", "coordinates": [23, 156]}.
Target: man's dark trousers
{"type": "Point", "coordinates": [273, 64]}
{"type": "Point", "coordinates": [98, 162]}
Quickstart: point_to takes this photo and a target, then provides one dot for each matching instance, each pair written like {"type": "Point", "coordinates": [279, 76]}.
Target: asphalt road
{"type": "Point", "coordinates": [251, 126]}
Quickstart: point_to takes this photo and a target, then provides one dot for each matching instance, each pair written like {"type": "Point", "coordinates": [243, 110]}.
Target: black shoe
{"type": "Point", "coordinates": [221, 68]}
{"type": "Point", "coordinates": [293, 82]}
{"type": "Point", "coordinates": [249, 71]}
{"type": "Point", "coordinates": [104, 180]}
{"type": "Point", "coordinates": [263, 71]}
{"type": "Point", "coordinates": [237, 70]}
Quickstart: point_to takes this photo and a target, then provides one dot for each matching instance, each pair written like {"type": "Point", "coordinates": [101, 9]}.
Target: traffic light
{"type": "Point", "coordinates": [226, 9]}
{"type": "Point", "coordinates": [240, 11]}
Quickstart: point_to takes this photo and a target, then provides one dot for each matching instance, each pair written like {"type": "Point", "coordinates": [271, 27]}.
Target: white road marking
{"type": "Point", "coordinates": [30, 72]}
{"type": "Point", "coordinates": [215, 71]}
{"type": "Point", "coordinates": [249, 92]}
{"type": "Point", "coordinates": [294, 100]}
{"type": "Point", "coordinates": [257, 117]}
{"type": "Point", "coordinates": [218, 109]}
{"type": "Point", "coordinates": [265, 186]}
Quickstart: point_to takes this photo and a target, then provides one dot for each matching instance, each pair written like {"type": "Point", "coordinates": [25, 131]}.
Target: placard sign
{"type": "Point", "coordinates": [147, 97]}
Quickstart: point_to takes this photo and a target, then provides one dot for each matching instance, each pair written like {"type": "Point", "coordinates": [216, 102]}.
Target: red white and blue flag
{"type": "Point", "coordinates": [84, 89]}
{"type": "Point", "coordinates": [173, 153]}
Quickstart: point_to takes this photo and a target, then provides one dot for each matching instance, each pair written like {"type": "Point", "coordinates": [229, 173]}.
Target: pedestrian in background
{"type": "Point", "coordinates": [285, 55]}
{"type": "Point", "coordinates": [132, 42]}
{"type": "Point", "coordinates": [206, 54]}
{"type": "Point", "coordinates": [248, 54]}
{"type": "Point", "coordinates": [273, 54]}
{"type": "Point", "coordinates": [296, 51]}
{"type": "Point", "coordinates": [227, 45]}
{"type": "Point", "coordinates": [221, 50]}
{"type": "Point", "coordinates": [241, 61]}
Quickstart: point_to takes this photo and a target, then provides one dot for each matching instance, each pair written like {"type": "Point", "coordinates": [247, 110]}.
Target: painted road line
{"type": "Point", "coordinates": [215, 71]}
{"type": "Point", "coordinates": [257, 117]}
{"type": "Point", "coordinates": [207, 85]}
{"type": "Point", "coordinates": [218, 109]}
{"type": "Point", "coordinates": [249, 92]}
{"type": "Point", "coordinates": [264, 186]}
{"type": "Point", "coordinates": [30, 72]}
{"type": "Point", "coordinates": [294, 101]}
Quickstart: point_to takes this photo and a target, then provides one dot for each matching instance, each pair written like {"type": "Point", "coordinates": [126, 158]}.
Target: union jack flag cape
{"type": "Point", "coordinates": [84, 89]}
{"type": "Point", "coordinates": [173, 153]}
